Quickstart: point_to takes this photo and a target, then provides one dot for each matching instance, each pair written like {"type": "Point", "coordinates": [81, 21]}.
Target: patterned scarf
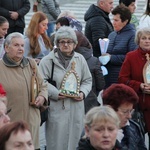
{"type": "Point", "coordinates": [64, 59]}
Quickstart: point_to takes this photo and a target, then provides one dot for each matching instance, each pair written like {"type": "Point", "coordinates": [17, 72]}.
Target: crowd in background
{"type": "Point", "coordinates": [54, 61]}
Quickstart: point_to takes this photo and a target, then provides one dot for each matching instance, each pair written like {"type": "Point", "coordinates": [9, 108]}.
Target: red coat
{"type": "Point", "coordinates": [131, 73]}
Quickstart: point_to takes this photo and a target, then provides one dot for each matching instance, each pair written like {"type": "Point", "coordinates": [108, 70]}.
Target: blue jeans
{"type": "Point", "coordinates": [50, 29]}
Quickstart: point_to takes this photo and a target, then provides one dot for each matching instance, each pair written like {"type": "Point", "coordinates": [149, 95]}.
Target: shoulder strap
{"type": "Point", "coordinates": [32, 65]}
{"type": "Point", "coordinates": [52, 70]}
{"type": "Point", "coordinates": [34, 83]}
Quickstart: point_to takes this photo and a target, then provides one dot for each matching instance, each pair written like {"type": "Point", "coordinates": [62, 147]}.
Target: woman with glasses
{"type": "Point", "coordinates": [73, 83]}
{"type": "Point", "coordinates": [123, 99]}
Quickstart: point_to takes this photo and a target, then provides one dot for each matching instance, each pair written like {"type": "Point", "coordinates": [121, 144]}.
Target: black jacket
{"type": "Point", "coordinates": [120, 43]}
{"type": "Point", "coordinates": [98, 81]}
{"type": "Point", "coordinates": [133, 139]}
{"type": "Point", "coordinates": [84, 144]}
{"type": "Point", "coordinates": [98, 25]}
{"type": "Point", "coordinates": [21, 6]}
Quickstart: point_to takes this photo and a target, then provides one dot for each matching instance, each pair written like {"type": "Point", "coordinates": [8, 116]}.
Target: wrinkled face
{"type": "Point", "coordinates": [4, 118]}
{"type": "Point", "coordinates": [117, 22]}
{"type": "Point", "coordinates": [20, 141]}
{"type": "Point", "coordinates": [15, 49]}
{"type": "Point", "coordinates": [43, 26]}
{"type": "Point", "coordinates": [144, 42]}
{"type": "Point", "coordinates": [102, 134]}
{"type": "Point", "coordinates": [66, 46]}
{"type": "Point", "coordinates": [125, 113]}
{"type": "Point", "coordinates": [107, 5]}
{"type": "Point", "coordinates": [3, 29]}
{"type": "Point", "coordinates": [132, 7]}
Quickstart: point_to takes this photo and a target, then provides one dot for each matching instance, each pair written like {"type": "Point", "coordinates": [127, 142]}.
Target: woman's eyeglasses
{"type": "Point", "coordinates": [126, 112]}
{"type": "Point", "coordinates": [65, 42]}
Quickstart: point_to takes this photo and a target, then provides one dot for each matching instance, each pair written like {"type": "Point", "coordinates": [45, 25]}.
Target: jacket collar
{"type": "Point", "coordinates": [8, 62]}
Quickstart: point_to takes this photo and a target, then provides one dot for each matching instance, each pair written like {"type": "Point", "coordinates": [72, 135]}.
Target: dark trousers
{"type": "Point", "coordinates": [15, 29]}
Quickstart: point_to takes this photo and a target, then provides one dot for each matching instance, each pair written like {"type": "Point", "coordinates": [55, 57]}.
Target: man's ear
{"type": "Point", "coordinates": [87, 130]}
{"type": "Point", "coordinates": [101, 3]}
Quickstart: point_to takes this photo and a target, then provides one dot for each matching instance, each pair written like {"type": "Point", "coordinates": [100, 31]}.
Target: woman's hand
{"type": "Point", "coordinates": [81, 97]}
{"type": "Point", "coordinates": [61, 96]}
{"type": "Point", "coordinates": [39, 101]}
{"type": "Point", "coordinates": [145, 87]}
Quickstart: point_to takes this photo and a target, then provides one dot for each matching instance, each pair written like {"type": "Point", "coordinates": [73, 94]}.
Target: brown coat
{"type": "Point", "coordinates": [16, 79]}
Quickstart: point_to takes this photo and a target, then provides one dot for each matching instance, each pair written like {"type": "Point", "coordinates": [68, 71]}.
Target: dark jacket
{"type": "Point", "coordinates": [21, 6]}
{"type": "Point", "coordinates": [98, 82]}
{"type": "Point", "coordinates": [120, 44]}
{"type": "Point", "coordinates": [98, 25]}
{"type": "Point", "coordinates": [133, 139]}
{"type": "Point", "coordinates": [51, 9]}
{"type": "Point", "coordinates": [84, 144]}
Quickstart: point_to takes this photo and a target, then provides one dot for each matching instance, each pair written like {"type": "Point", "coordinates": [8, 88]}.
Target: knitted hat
{"type": "Point", "coordinates": [126, 2]}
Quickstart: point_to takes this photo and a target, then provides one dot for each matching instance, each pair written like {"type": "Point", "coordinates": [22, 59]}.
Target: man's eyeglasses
{"type": "Point", "coordinates": [3, 115]}
{"type": "Point", "coordinates": [126, 112]}
{"type": "Point", "coordinates": [65, 42]}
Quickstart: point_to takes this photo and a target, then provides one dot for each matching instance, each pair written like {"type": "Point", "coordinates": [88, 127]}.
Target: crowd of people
{"type": "Point", "coordinates": [54, 64]}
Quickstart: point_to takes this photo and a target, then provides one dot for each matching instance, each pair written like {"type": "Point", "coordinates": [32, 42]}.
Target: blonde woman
{"type": "Point", "coordinates": [101, 128]}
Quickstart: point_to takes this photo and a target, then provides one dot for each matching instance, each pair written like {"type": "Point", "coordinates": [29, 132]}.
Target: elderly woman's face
{"type": "Point", "coordinates": [117, 22]}
{"type": "Point", "coordinates": [125, 113]}
{"type": "Point", "coordinates": [20, 140]}
{"type": "Point", "coordinates": [15, 49]}
{"type": "Point", "coordinates": [66, 46]}
{"type": "Point", "coordinates": [144, 42]}
{"type": "Point", "coordinates": [102, 134]}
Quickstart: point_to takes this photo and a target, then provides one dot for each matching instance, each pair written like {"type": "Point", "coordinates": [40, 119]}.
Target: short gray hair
{"type": "Point", "coordinates": [65, 32]}
{"type": "Point", "coordinates": [140, 32]}
{"type": "Point", "coordinates": [101, 113]}
{"type": "Point", "coordinates": [11, 36]}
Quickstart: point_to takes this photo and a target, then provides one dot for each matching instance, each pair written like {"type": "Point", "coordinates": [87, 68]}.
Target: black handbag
{"type": "Point", "coordinates": [50, 80]}
{"type": "Point", "coordinates": [139, 118]}
{"type": "Point", "coordinates": [44, 113]}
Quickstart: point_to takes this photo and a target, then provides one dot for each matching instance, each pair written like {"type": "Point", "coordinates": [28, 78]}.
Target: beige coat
{"type": "Point", "coordinates": [17, 83]}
